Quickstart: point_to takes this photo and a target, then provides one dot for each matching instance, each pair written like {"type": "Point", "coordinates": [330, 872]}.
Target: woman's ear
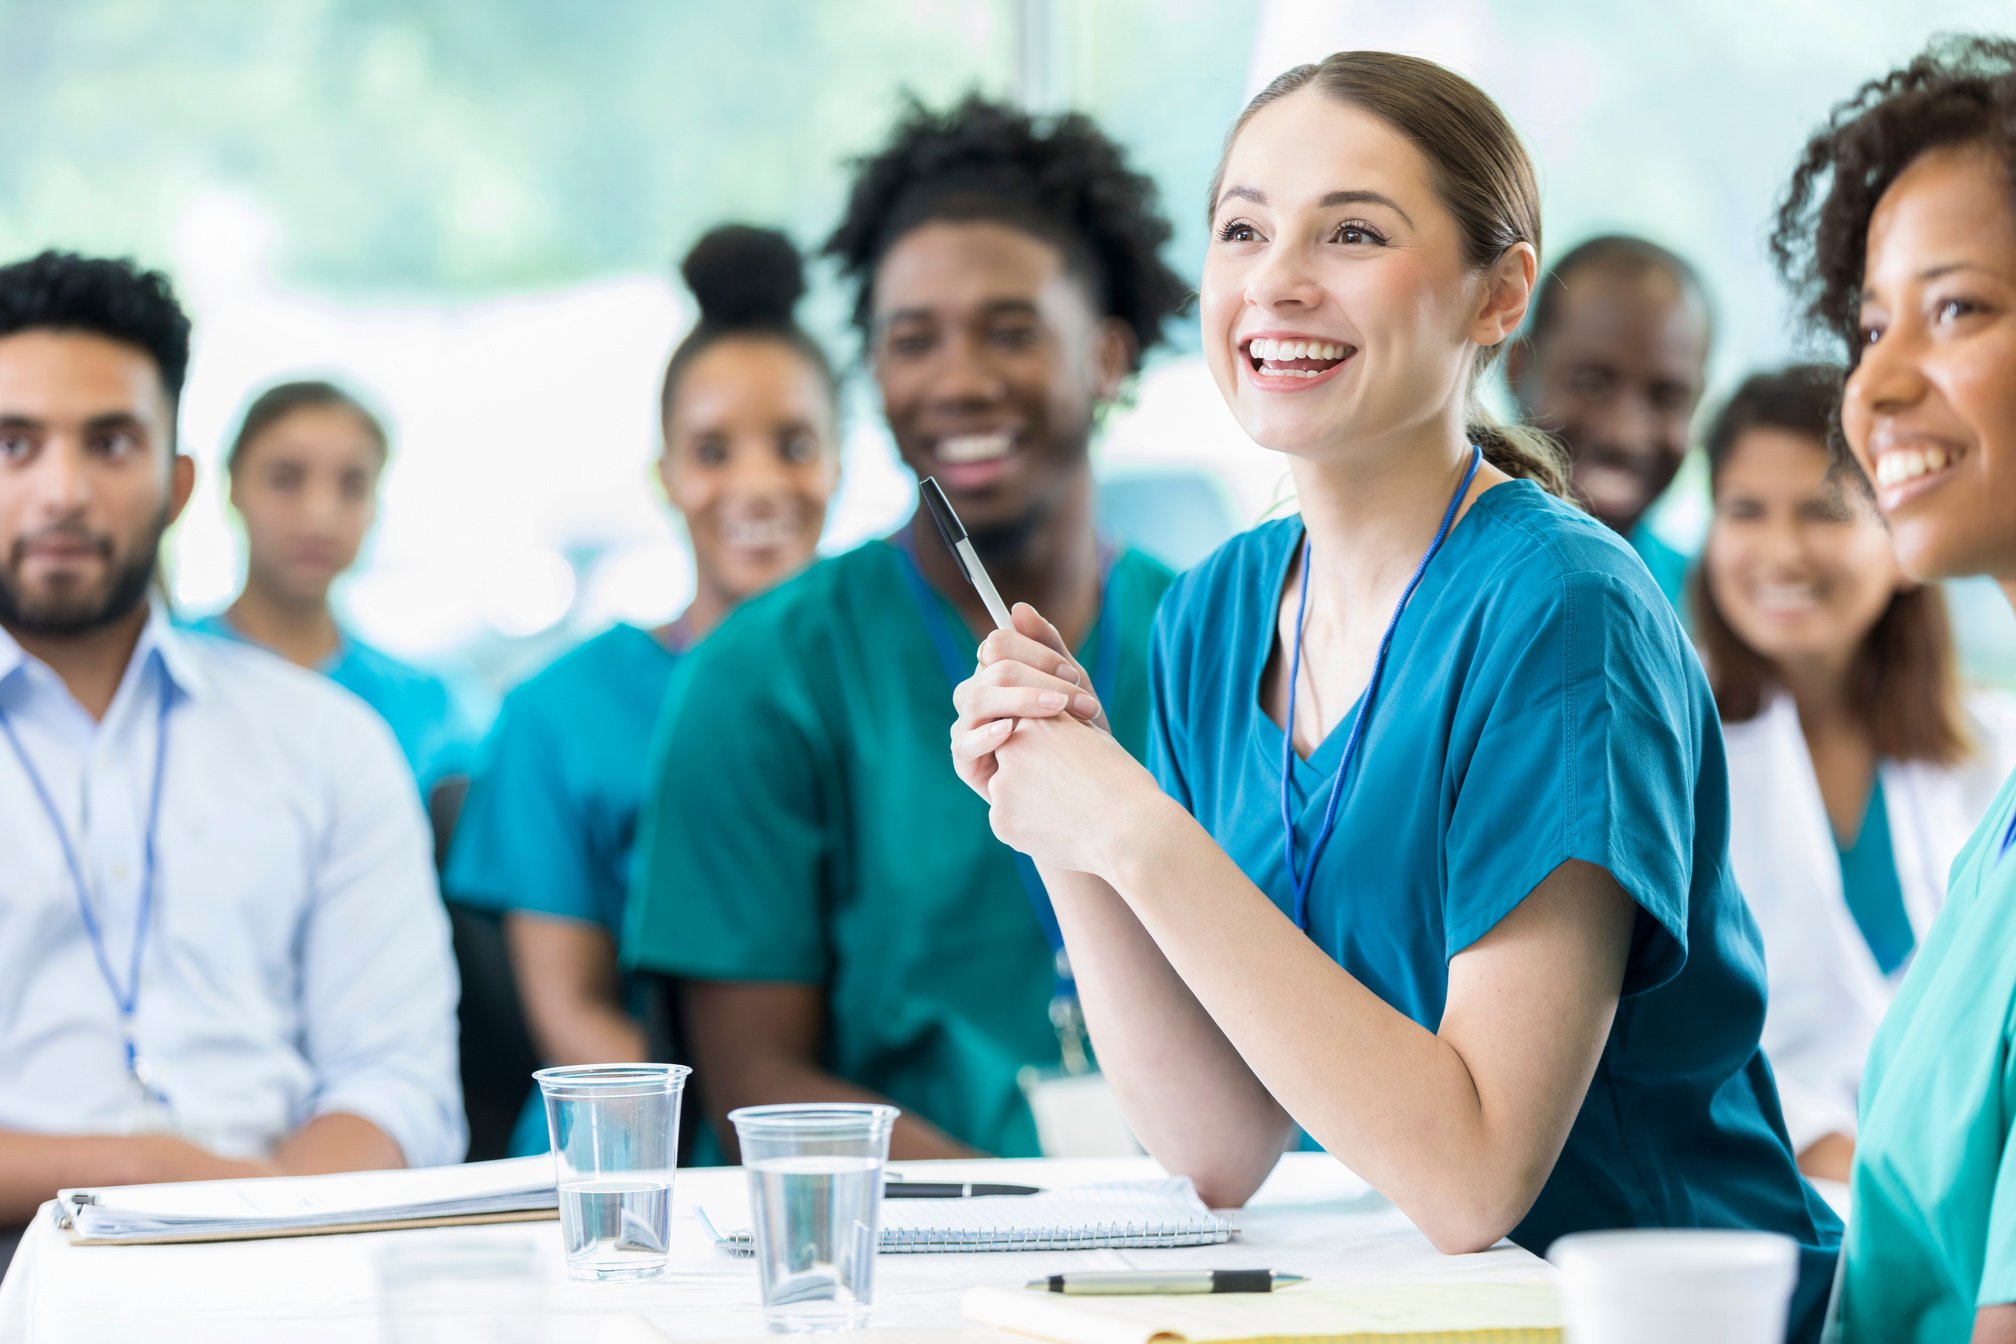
{"type": "Point", "coordinates": [1507, 290]}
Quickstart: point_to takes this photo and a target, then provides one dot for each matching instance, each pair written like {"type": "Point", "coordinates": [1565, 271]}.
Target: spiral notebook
{"type": "Point", "coordinates": [1074, 1218]}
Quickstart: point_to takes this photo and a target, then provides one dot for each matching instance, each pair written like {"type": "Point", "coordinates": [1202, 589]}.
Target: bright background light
{"type": "Point", "coordinates": [470, 213]}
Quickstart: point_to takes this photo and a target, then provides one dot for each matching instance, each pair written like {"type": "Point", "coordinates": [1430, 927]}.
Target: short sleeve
{"type": "Point", "coordinates": [522, 842]}
{"type": "Point", "coordinates": [1166, 707]}
{"type": "Point", "coordinates": [1998, 1264]}
{"type": "Point", "coordinates": [735, 839]}
{"type": "Point", "coordinates": [1578, 737]}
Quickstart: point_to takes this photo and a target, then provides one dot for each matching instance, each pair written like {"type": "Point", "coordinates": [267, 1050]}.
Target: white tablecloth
{"type": "Point", "coordinates": [507, 1283]}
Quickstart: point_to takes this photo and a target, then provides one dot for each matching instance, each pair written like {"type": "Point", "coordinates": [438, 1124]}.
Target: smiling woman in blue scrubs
{"type": "Point", "coordinates": [304, 473]}
{"type": "Point", "coordinates": [1430, 860]}
{"type": "Point", "coordinates": [751, 460]}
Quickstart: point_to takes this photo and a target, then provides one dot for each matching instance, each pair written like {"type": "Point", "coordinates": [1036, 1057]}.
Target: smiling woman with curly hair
{"type": "Point", "coordinates": [1899, 232]}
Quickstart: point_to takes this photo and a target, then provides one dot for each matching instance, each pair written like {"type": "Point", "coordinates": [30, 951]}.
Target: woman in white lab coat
{"type": "Point", "coordinates": [1857, 768]}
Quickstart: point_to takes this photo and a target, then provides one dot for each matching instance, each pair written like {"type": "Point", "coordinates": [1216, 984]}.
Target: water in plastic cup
{"type": "Point", "coordinates": [815, 1198]}
{"type": "Point", "coordinates": [1676, 1286]}
{"type": "Point", "coordinates": [615, 1133]}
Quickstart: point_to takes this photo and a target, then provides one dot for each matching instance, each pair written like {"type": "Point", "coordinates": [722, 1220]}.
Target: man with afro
{"type": "Point", "coordinates": [840, 919]}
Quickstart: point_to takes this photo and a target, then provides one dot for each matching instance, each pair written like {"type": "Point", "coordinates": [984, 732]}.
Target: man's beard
{"type": "Point", "coordinates": [80, 613]}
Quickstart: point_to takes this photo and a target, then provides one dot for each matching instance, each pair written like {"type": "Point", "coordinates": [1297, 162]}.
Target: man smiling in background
{"type": "Point", "coordinates": [1613, 363]}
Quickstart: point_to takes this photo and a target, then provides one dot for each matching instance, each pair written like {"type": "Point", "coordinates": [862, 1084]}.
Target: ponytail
{"type": "Point", "coordinates": [1522, 451]}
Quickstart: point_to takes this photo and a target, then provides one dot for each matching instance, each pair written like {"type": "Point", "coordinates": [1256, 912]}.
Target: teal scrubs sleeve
{"type": "Point", "coordinates": [1574, 755]}
{"type": "Point", "coordinates": [522, 840]}
{"type": "Point", "coordinates": [1998, 1267]}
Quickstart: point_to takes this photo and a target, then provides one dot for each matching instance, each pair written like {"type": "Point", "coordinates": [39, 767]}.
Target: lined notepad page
{"type": "Point", "coordinates": [1400, 1313]}
{"type": "Point", "coordinates": [1081, 1217]}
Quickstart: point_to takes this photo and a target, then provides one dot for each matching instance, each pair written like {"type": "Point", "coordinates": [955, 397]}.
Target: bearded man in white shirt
{"type": "Point", "coordinates": [222, 952]}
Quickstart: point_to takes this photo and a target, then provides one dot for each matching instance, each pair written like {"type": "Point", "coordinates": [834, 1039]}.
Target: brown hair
{"type": "Point", "coordinates": [1482, 176]}
{"type": "Point", "coordinates": [1905, 685]}
{"type": "Point", "coordinates": [278, 402]}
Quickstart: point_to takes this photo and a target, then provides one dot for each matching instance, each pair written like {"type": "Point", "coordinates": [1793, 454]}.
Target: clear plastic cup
{"type": "Point", "coordinates": [815, 1202]}
{"type": "Point", "coordinates": [615, 1134]}
{"type": "Point", "coordinates": [1676, 1286]}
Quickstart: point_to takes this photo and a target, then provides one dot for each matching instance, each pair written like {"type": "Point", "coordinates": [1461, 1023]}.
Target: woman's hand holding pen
{"type": "Point", "coordinates": [1033, 741]}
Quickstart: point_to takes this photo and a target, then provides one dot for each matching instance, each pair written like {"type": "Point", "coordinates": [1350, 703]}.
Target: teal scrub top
{"type": "Point", "coordinates": [1539, 704]}
{"type": "Point", "coordinates": [550, 823]}
{"type": "Point", "coordinates": [436, 727]}
{"type": "Point", "coordinates": [1934, 1232]}
{"type": "Point", "coordinates": [805, 826]}
{"type": "Point", "coordinates": [1872, 889]}
{"type": "Point", "coordinates": [1668, 565]}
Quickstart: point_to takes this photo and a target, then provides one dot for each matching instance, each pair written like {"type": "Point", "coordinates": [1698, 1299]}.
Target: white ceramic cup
{"type": "Point", "coordinates": [1676, 1286]}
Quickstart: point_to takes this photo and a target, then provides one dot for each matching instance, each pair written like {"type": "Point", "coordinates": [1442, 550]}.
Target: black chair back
{"type": "Point", "coordinates": [496, 1050]}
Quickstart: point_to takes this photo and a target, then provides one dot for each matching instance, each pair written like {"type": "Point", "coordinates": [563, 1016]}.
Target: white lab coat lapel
{"type": "Point", "coordinates": [1827, 994]}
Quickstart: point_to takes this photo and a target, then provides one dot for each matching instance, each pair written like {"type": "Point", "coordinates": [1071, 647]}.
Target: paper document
{"type": "Point", "coordinates": [287, 1205]}
{"type": "Point", "coordinates": [1084, 1217]}
{"type": "Point", "coordinates": [1445, 1312]}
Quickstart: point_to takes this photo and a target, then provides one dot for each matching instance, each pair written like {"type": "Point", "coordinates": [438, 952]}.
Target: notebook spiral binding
{"type": "Point", "coordinates": [1095, 1236]}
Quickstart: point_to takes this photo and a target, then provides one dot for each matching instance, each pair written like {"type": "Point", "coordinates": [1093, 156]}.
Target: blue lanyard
{"type": "Point", "coordinates": [1304, 876]}
{"type": "Point", "coordinates": [955, 652]}
{"type": "Point", "coordinates": [126, 998]}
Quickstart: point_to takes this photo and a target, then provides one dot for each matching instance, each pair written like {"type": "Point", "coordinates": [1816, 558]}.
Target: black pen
{"type": "Point", "coordinates": [951, 1190]}
{"type": "Point", "coordinates": [954, 532]}
{"type": "Point", "coordinates": [1130, 1281]}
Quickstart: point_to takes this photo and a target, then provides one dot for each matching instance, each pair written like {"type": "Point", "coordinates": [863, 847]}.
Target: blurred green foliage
{"type": "Point", "coordinates": [459, 147]}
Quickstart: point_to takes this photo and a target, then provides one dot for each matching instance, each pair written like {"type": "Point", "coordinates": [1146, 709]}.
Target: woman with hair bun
{"type": "Point", "coordinates": [1430, 858]}
{"type": "Point", "coordinates": [1899, 232]}
{"type": "Point", "coordinates": [751, 458]}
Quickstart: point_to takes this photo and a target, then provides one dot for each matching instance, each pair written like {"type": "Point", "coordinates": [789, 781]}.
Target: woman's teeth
{"type": "Point", "coordinates": [1295, 359]}
{"type": "Point", "coordinates": [1261, 348]}
{"type": "Point", "coordinates": [758, 533]}
{"type": "Point", "coordinates": [1786, 596]}
{"type": "Point", "coordinates": [1907, 464]}
{"type": "Point", "coordinates": [975, 447]}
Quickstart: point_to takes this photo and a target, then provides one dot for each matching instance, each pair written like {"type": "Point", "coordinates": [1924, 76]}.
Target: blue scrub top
{"type": "Point", "coordinates": [436, 728]}
{"type": "Point", "coordinates": [550, 823]}
{"type": "Point", "coordinates": [551, 819]}
{"type": "Point", "coordinates": [1667, 564]}
{"type": "Point", "coordinates": [1539, 704]}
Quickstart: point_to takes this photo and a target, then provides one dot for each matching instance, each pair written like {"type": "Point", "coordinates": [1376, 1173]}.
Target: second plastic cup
{"type": "Point", "coordinates": [615, 1133]}
{"type": "Point", "coordinates": [815, 1197]}
{"type": "Point", "coordinates": [1676, 1287]}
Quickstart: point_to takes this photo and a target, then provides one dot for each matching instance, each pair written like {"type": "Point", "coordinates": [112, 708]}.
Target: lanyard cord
{"type": "Point", "coordinates": [1305, 876]}
{"type": "Point", "coordinates": [128, 998]}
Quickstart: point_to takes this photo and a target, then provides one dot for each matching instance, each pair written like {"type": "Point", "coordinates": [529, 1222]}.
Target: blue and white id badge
{"type": "Point", "coordinates": [148, 1111]}
{"type": "Point", "coordinates": [1075, 1110]}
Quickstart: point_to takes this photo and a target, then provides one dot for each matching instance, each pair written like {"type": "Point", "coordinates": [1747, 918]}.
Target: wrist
{"type": "Point", "coordinates": [1148, 824]}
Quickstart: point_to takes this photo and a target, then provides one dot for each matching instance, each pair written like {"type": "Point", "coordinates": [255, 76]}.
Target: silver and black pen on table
{"type": "Point", "coordinates": [1144, 1281]}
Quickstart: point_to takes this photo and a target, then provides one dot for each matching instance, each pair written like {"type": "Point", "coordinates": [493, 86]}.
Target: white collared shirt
{"type": "Point", "coordinates": [297, 962]}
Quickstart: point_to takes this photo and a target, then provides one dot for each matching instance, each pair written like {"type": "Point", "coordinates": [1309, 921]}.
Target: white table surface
{"type": "Point", "coordinates": [507, 1282]}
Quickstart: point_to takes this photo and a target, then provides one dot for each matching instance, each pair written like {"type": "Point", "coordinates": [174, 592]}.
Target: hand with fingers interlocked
{"type": "Point", "coordinates": [1032, 739]}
